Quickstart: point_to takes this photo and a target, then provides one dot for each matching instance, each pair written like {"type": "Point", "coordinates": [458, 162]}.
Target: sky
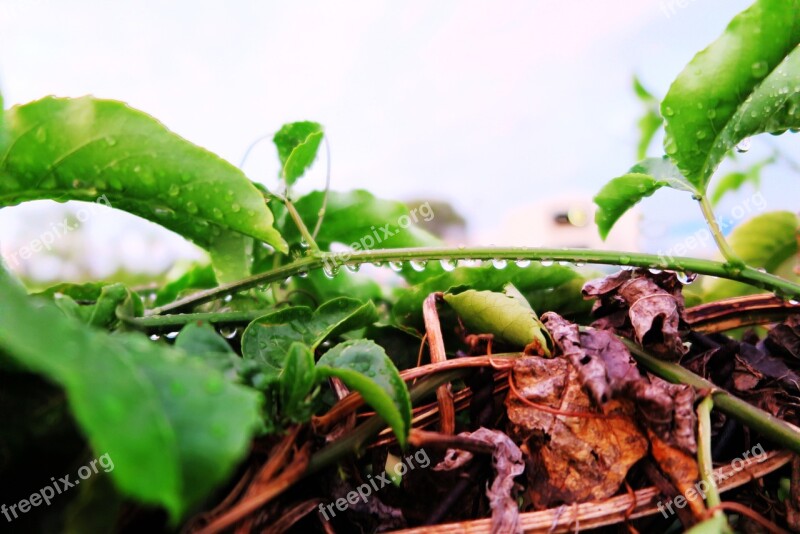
{"type": "Point", "coordinates": [492, 106]}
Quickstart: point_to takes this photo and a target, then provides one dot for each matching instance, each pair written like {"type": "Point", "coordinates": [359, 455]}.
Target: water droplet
{"type": "Point", "coordinates": [668, 111]}
{"type": "Point", "coordinates": [624, 260]}
{"type": "Point", "coordinates": [759, 69]}
{"type": "Point", "coordinates": [110, 141]}
{"type": "Point", "coordinates": [685, 278]}
{"type": "Point", "coordinates": [191, 207]}
{"type": "Point", "coordinates": [155, 337]}
{"type": "Point", "coordinates": [171, 335]}
{"type": "Point", "coordinates": [396, 266]}
{"type": "Point", "coordinates": [522, 263]}
{"type": "Point", "coordinates": [302, 274]}
{"type": "Point", "coordinates": [793, 302]}
{"type": "Point", "coordinates": [701, 134]}
{"type": "Point", "coordinates": [655, 271]}
{"type": "Point", "coordinates": [448, 264]}
{"type": "Point", "coordinates": [352, 267]}
{"type": "Point", "coordinates": [669, 146]}
{"type": "Point", "coordinates": [579, 264]}
{"type": "Point", "coordinates": [418, 265]}
{"type": "Point", "coordinates": [41, 134]}
{"type": "Point", "coordinates": [228, 332]}
{"type": "Point", "coordinates": [711, 113]}
{"type": "Point", "coordinates": [546, 263]}
{"type": "Point", "coordinates": [330, 271]}
{"type": "Point", "coordinates": [499, 263]}
{"type": "Point", "coordinates": [743, 145]}
{"type": "Point", "coordinates": [236, 208]}
{"type": "Point", "coordinates": [626, 267]}
{"type": "Point", "coordinates": [173, 190]}
{"type": "Point", "coordinates": [227, 298]}
{"type": "Point", "coordinates": [303, 243]}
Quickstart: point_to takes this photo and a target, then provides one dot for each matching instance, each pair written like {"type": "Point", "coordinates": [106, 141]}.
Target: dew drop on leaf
{"type": "Point", "coordinates": [668, 111]}
{"type": "Point", "coordinates": [396, 266]}
{"type": "Point", "coordinates": [330, 271]}
{"type": "Point", "coordinates": [654, 270]}
{"type": "Point", "coordinates": [228, 332]}
{"type": "Point", "coordinates": [522, 263]}
{"type": "Point", "coordinates": [352, 267]}
{"type": "Point", "coordinates": [236, 208]}
{"type": "Point", "coordinates": [173, 190]}
{"type": "Point", "coordinates": [743, 145]}
{"type": "Point", "coordinates": [759, 69]}
{"type": "Point", "coordinates": [546, 263]}
{"type": "Point", "coordinates": [191, 207]}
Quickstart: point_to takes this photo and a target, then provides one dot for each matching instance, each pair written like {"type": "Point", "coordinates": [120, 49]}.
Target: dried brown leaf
{"type": "Point", "coordinates": [574, 458]}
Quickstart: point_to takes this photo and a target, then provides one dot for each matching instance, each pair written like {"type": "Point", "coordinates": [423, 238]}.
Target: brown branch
{"type": "Point", "coordinates": [614, 510]}
{"type": "Point", "coordinates": [444, 393]}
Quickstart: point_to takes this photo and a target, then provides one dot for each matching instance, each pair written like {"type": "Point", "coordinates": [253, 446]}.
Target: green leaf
{"type": "Point", "coordinates": [269, 338]}
{"type": "Point", "coordinates": [534, 277]}
{"type": "Point", "coordinates": [506, 315]}
{"type": "Point", "coordinates": [735, 180]}
{"type": "Point", "coordinates": [359, 219]}
{"type": "Point", "coordinates": [642, 180]}
{"type": "Point", "coordinates": [364, 366]}
{"type": "Point", "coordinates": [231, 256]}
{"type": "Point", "coordinates": [200, 338]}
{"type": "Point", "coordinates": [296, 382]}
{"type": "Point", "coordinates": [746, 82]}
{"type": "Point", "coordinates": [173, 427]}
{"type": "Point", "coordinates": [767, 241]}
{"type": "Point", "coordinates": [297, 145]}
{"type": "Point", "coordinates": [650, 122]}
{"type": "Point", "coordinates": [99, 302]}
{"type": "Point", "coordinates": [102, 150]}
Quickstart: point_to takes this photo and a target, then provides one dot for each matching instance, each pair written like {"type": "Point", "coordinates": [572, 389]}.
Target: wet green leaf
{"type": "Point", "coordinates": [269, 338]}
{"type": "Point", "coordinates": [296, 383]}
{"type": "Point", "coordinates": [136, 401]}
{"type": "Point", "coordinates": [103, 151]}
{"type": "Point", "coordinates": [642, 180]}
{"type": "Point", "coordinates": [745, 83]}
{"type": "Point", "coordinates": [735, 180]}
{"type": "Point", "coordinates": [196, 277]}
{"type": "Point", "coordinates": [649, 122]}
{"type": "Point", "coordinates": [364, 366]}
{"type": "Point", "coordinates": [506, 315]}
{"type": "Point", "coordinates": [297, 144]}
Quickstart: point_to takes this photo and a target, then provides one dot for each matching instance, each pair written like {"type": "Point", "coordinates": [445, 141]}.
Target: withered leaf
{"type": "Point", "coordinates": [681, 469]}
{"type": "Point", "coordinates": [650, 306]}
{"type": "Point", "coordinates": [574, 458]}
{"type": "Point", "coordinates": [507, 463]}
{"type": "Point", "coordinates": [607, 370]}
{"type": "Point", "coordinates": [784, 339]}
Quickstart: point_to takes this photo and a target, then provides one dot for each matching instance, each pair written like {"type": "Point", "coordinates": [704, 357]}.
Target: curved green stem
{"type": "Point", "coordinates": [332, 261]}
{"type": "Point", "coordinates": [716, 232]}
{"type": "Point", "coordinates": [704, 460]}
{"type": "Point", "coordinates": [301, 226]}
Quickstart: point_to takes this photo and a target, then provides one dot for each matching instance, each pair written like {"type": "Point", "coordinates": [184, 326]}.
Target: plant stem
{"type": "Point", "coordinates": [170, 323]}
{"type": "Point", "coordinates": [770, 426]}
{"type": "Point", "coordinates": [704, 460]}
{"type": "Point", "coordinates": [318, 260]}
{"type": "Point", "coordinates": [719, 239]}
{"type": "Point", "coordinates": [301, 226]}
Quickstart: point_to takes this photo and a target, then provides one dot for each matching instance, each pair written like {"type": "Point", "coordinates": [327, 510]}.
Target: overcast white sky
{"type": "Point", "coordinates": [489, 105]}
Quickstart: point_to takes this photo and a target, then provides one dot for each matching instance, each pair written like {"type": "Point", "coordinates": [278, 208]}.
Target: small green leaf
{"type": "Point", "coordinates": [735, 180]}
{"type": "Point", "coordinates": [101, 150]}
{"type": "Point", "coordinates": [297, 145]}
{"type": "Point", "coordinates": [296, 382]}
{"type": "Point", "coordinates": [534, 277]}
{"type": "Point", "coordinates": [642, 180]}
{"type": "Point", "coordinates": [506, 315]}
{"type": "Point", "coordinates": [173, 427]}
{"type": "Point", "coordinates": [767, 241]}
{"type": "Point", "coordinates": [364, 366]}
{"type": "Point", "coordinates": [745, 83]}
{"type": "Point", "coordinates": [99, 302]}
{"type": "Point", "coordinates": [269, 338]}
{"type": "Point", "coordinates": [359, 219]}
